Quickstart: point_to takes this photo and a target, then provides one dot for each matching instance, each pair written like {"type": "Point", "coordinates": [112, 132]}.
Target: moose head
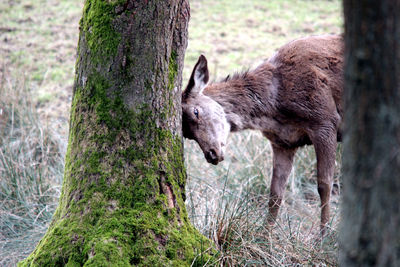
{"type": "Point", "coordinates": [203, 119]}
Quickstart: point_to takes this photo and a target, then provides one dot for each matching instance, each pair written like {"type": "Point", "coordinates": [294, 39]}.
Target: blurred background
{"type": "Point", "coordinates": [228, 202]}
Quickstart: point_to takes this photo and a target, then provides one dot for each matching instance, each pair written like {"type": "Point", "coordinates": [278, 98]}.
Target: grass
{"type": "Point", "coordinates": [38, 40]}
{"type": "Point", "coordinates": [238, 34]}
{"type": "Point", "coordinates": [228, 202]}
{"type": "Point", "coordinates": [31, 166]}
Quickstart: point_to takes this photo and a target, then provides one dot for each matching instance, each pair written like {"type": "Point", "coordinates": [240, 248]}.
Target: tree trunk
{"type": "Point", "coordinates": [122, 201]}
{"type": "Point", "coordinates": [370, 234]}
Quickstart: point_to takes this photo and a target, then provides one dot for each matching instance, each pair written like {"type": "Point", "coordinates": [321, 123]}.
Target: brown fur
{"type": "Point", "coordinates": [294, 98]}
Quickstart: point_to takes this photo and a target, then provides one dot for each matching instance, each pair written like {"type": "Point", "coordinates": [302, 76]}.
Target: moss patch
{"type": "Point", "coordinates": [97, 25]}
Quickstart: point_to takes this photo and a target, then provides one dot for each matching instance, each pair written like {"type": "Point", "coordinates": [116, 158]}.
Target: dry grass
{"type": "Point", "coordinates": [31, 165]}
{"type": "Point", "coordinates": [226, 202]}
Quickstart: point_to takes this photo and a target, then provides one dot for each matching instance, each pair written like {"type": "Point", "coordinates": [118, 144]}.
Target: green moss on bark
{"type": "Point", "coordinates": [172, 70]}
{"type": "Point", "coordinates": [97, 25]}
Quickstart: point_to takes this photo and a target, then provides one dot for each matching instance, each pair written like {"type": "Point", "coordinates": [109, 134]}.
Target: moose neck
{"type": "Point", "coordinates": [248, 98]}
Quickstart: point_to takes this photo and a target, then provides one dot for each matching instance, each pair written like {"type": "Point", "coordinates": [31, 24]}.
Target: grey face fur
{"type": "Point", "coordinates": [203, 119]}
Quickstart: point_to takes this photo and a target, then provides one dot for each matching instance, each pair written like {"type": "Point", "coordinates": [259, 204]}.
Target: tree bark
{"type": "Point", "coordinates": [370, 234]}
{"type": "Point", "coordinates": [122, 201]}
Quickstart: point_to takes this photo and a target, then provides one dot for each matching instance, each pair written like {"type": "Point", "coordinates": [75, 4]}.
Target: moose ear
{"type": "Point", "coordinates": [199, 78]}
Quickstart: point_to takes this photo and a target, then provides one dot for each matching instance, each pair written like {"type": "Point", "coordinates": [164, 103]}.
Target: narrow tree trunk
{"type": "Point", "coordinates": [370, 234]}
{"type": "Point", "coordinates": [122, 201]}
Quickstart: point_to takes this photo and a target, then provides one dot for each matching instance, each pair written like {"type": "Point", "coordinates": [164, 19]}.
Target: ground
{"type": "Point", "coordinates": [38, 42]}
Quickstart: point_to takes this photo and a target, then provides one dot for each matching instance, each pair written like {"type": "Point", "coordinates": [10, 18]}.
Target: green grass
{"type": "Point", "coordinates": [237, 34]}
{"type": "Point", "coordinates": [227, 202]}
{"type": "Point", "coordinates": [38, 40]}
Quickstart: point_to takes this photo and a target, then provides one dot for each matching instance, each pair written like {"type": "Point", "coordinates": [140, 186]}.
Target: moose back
{"type": "Point", "coordinates": [293, 98]}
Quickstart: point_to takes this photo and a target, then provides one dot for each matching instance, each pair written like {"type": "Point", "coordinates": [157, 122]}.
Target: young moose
{"type": "Point", "coordinates": [294, 99]}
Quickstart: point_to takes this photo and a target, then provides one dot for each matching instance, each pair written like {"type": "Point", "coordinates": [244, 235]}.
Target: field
{"type": "Point", "coordinates": [226, 202]}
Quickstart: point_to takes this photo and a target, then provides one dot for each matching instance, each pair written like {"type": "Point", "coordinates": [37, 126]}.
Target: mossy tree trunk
{"type": "Point", "coordinates": [122, 200]}
{"type": "Point", "coordinates": [370, 234]}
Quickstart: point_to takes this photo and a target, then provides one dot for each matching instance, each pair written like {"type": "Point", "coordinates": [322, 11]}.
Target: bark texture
{"type": "Point", "coordinates": [370, 234]}
{"type": "Point", "coordinates": [122, 201]}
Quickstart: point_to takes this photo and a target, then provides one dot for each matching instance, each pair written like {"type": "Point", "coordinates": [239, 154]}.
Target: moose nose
{"type": "Point", "coordinates": [212, 154]}
{"type": "Point", "coordinates": [212, 157]}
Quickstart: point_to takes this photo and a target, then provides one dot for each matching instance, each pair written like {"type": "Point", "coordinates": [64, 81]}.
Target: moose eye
{"type": "Point", "coordinates": [196, 112]}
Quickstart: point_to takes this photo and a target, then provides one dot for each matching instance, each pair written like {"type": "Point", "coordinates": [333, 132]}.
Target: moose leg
{"type": "Point", "coordinates": [282, 165]}
{"type": "Point", "coordinates": [325, 149]}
